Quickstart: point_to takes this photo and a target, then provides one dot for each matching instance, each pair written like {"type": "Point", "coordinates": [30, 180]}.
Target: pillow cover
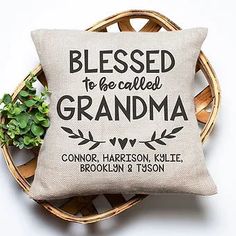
{"type": "Point", "coordinates": [122, 114]}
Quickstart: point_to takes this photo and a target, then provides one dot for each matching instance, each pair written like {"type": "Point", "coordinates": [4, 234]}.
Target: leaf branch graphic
{"type": "Point", "coordinates": [81, 136]}
{"type": "Point", "coordinates": [164, 135]}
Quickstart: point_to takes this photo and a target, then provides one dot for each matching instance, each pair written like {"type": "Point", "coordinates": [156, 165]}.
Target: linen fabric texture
{"type": "Point", "coordinates": [131, 138]}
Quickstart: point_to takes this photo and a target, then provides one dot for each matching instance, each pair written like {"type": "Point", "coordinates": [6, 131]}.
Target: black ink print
{"type": "Point", "coordinates": [132, 142]}
{"type": "Point", "coordinates": [113, 141]}
{"type": "Point", "coordinates": [122, 142]}
{"type": "Point", "coordinates": [160, 139]}
{"type": "Point", "coordinates": [85, 140]}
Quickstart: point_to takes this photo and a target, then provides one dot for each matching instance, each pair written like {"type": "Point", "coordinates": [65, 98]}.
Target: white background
{"type": "Point", "coordinates": [158, 215]}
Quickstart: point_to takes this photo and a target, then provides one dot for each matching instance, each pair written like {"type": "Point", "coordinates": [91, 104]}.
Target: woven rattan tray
{"type": "Point", "coordinates": [82, 209]}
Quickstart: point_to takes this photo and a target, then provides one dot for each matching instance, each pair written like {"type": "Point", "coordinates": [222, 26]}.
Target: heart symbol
{"type": "Point", "coordinates": [122, 142]}
{"type": "Point", "coordinates": [132, 142]}
{"type": "Point", "coordinates": [113, 141]}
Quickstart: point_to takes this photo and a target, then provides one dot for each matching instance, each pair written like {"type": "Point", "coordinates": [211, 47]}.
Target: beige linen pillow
{"type": "Point", "coordinates": [122, 114]}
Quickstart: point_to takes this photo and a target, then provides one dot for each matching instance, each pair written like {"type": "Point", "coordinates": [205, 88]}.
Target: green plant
{"type": "Point", "coordinates": [26, 119]}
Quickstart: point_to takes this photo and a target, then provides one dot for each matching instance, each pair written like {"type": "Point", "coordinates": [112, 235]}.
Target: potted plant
{"type": "Point", "coordinates": [25, 120]}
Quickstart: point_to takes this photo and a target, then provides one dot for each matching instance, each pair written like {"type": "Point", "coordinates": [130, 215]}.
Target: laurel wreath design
{"type": "Point", "coordinates": [80, 135]}
{"type": "Point", "coordinates": [122, 142]}
{"type": "Point", "coordinates": [163, 136]}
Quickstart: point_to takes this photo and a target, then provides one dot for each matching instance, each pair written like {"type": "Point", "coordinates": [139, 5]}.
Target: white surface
{"type": "Point", "coordinates": [159, 215]}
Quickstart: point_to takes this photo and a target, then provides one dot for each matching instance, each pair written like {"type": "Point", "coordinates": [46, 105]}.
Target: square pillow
{"type": "Point", "coordinates": [122, 114]}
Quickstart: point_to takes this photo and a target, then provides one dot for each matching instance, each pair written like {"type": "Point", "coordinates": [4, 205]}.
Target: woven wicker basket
{"type": "Point", "coordinates": [206, 103]}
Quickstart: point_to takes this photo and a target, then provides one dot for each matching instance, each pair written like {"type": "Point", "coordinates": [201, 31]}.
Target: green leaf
{"type": "Point", "coordinates": [27, 140]}
{"type": "Point", "coordinates": [38, 99]}
{"type": "Point", "coordinates": [30, 103]}
{"type": "Point", "coordinates": [1, 134]}
{"type": "Point", "coordinates": [24, 93]}
{"type": "Point", "coordinates": [9, 108]}
{"type": "Point", "coordinates": [17, 111]}
{"type": "Point", "coordinates": [37, 130]}
{"type": "Point", "coordinates": [26, 129]}
{"type": "Point", "coordinates": [29, 82]}
{"type": "Point", "coordinates": [13, 123]}
{"type": "Point", "coordinates": [44, 105]}
{"type": "Point", "coordinates": [23, 119]}
{"type": "Point", "coordinates": [36, 121]}
{"type": "Point", "coordinates": [19, 143]}
{"type": "Point", "coordinates": [6, 99]}
{"type": "Point", "coordinates": [45, 93]}
{"type": "Point", "coordinates": [23, 107]}
{"type": "Point", "coordinates": [11, 134]}
{"type": "Point", "coordinates": [39, 116]}
{"type": "Point", "coordinates": [45, 123]}
{"type": "Point", "coordinates": [31, 91]}
{"type": "Point", "coordinates": [43, 109]}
